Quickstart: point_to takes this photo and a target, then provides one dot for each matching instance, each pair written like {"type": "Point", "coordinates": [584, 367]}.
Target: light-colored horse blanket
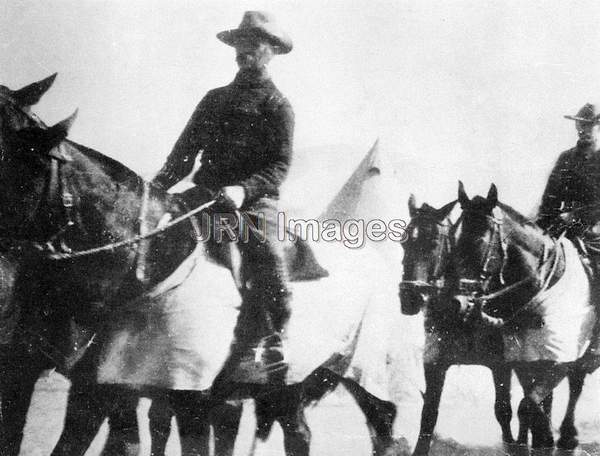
{"type": "Point", "coordinates": [568, 318]}
{"type": "Point", "coordinates": [178, 336]}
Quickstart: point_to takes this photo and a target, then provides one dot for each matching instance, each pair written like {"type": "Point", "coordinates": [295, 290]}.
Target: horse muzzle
{"type": "Point", "coordinates": [413, 298]}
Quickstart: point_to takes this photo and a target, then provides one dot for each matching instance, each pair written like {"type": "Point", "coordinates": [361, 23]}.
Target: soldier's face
{"type": "Point", "coordinates": [589, 135]}
{"type": "Point", "coordinates": [253, 54]}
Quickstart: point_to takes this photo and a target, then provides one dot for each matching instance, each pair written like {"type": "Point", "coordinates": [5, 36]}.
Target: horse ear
{"type": "Point", "coordinates": [463, 199]}
{"type": "Point", "coordinates": [31, 94]}
{"type": "Point", "coordinates": [492, 196]}
{"type": "Point", "coordinates": [412, 205]}
{"type": "Point", "coordinates": [444, 211]}
{"type": "Point", "coordinates": [59, 131]}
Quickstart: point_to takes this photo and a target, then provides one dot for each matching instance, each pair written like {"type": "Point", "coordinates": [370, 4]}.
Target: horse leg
{"type": "Point", "coordinates": [123, 436]}
{"type": "Point", "coordinates": [265, 417]}
{"type": "Point", "coordinates": [225, 420]}
{"type": "Point", "coordinates": [547, 405]}
{"type": "Point", "coordinates": [434, 383]}
{"type": "Point", "coordinates": [88, 404]}
{"type": "Point", "coordinates": [86, 410]}
{"type": "Point", "coordinates": [568, 432]}
{"type": "Point", "coordinates": [191, 412]}
{"type": "Point", "coordinates": [288, 409]}
{"type": "Point", "coordinates": [523, 412]}
{"type": "Point", "coordinates": [380, 417]}
{"type": "Point", "coordinates": [541, 379]}
{"type": "Point", "coordinates": [159, 418]}
{"type": "Point", "coordinates": [503, 410]}
{"type": "Point", "coordinates": [17, 385]}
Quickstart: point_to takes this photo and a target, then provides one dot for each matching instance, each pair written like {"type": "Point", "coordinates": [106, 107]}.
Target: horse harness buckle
{"type": "Point", "coordinates": [470, 287]}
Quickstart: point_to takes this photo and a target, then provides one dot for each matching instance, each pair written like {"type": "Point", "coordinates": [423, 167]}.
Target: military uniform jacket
{"type": "Point", "coordinates": [245, 133]}
{"type": "Point", "coordinates": [573, 184]}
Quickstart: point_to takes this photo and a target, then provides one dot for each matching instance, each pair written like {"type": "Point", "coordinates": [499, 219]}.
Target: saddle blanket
{"type": "Point", "coordinates": [568, 318]}
{"type": "Point", "coordinates": [178, 335]}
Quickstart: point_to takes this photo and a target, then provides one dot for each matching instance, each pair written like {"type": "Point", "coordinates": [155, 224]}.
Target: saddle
{"type": "Point", "coordinates": [300, 261]}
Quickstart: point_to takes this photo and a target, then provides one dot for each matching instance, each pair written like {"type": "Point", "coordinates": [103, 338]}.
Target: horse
{"type": "Point", "coordinates": [30, 342]}
{"type": "Point", "coordinates": [427, 277]}
{"type": "Point", "coordinates": [80, 209]}
{"type": "Point", "coordinates": [510, 276]}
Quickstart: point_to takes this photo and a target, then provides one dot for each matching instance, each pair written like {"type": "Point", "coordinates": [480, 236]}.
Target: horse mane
{"type": "Point", "coordinates": [531, 234]}
{"type": "Point", "coordinates": [113, 168]}
{"type": "Point", "coordinates": [517, 216]}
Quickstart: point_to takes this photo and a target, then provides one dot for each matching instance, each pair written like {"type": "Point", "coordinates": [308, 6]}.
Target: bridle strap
{"type": "Point", "coordinates": [59, 196]}
{"type": "Point", "coordinates": [438, 271]}
{"type": "Point", "coordinates": [499, 322]}
{"type": "Point", "coordinates": [485, 274]}
{"type": "Point", "coordinates": [436, 282]}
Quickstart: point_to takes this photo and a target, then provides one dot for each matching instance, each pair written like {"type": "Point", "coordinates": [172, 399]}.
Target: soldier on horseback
{"type": "Point", "coordinates": [244, 132]}
{"type": "Point", "coordinates": [571, 202]}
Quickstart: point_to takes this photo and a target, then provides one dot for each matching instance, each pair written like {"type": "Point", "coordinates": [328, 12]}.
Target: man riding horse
{"type": "Point", "coordinates": [244, 132]}
{"type": "Point", "coordinates": [571, 201]}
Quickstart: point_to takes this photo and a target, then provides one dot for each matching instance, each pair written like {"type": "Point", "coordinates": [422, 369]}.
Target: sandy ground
{"type": "Point", "coordinates": [466, 424]}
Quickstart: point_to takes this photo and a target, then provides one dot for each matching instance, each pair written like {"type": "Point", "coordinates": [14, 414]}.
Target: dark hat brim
{"type": "Point", "coordinates": [281, 44]}
{"type": "Point", "coordinates": [582, 119]}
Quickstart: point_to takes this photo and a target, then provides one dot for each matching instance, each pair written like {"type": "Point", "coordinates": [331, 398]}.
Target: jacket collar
{"type": "Point", "coordinates": [587, 154]}
{"type": "Point", "coordinates": [252, 79]}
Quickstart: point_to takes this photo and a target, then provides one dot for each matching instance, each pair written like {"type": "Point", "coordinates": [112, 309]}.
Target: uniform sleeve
{"type": "Point", "coordinates": [180, 161]}
{"type": "Point", "coordinates": [553, 196]}
{"type": "Point", "coordinates": [269, 178]}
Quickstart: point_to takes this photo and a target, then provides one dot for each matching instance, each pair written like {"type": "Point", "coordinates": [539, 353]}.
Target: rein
{"type": "Point", "coordinates": [58, 189]}
{"type": "Point", "coordinates": [482, 300]}
{"type": "Point", "coordinates": [133, 240]}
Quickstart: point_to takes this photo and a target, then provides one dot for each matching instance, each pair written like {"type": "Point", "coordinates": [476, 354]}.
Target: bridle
{"type": "Point", "coordinates": [437, 283]}
{"type": "Point", "coordinates": [485, 275]}
{"type": "Point", "coordinates": [58, 195]}
{"type": "Point", "coordinates": [477, 292]}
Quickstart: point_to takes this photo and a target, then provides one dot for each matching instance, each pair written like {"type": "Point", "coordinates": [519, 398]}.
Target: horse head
{"type": "Point", "coordinates": [426, 255]}
{"type": "Point", "coordinates": [500, 258]}
{"type": "Point", "coordinates": [27, 149]}
{"type": "Point", "coordinates": [479, 254]}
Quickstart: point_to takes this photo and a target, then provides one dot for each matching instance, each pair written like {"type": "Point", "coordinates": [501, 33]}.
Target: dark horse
{"type": "Point", "coordinates": [511, 276]}
{"type": "Point", "coordinates": [80, 209]}
{"type": "Point", "coordinates": [428, 279]}
{"type": "Point", "coordinates": [425, 283]}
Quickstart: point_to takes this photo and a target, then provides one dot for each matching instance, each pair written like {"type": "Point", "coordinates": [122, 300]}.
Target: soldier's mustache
{"type": "Point", "coordinates": [584, 142]}
{"type": "Point", "coordinates": [244, 59]}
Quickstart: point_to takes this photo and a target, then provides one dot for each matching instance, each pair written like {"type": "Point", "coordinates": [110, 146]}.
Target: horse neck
{"type": "Point", "coordinates": [109, 199]}
{"type": "Point", "coordinates": [526, 248]}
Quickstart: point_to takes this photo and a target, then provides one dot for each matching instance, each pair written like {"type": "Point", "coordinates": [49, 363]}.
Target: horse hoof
{"type": "Point", "coordinates": [516, 449]}
{"type": "Point", "coordinates": [508, 439]}
{"type": "Point", "coordinates": [567, 443]}
{"type": "Point", "coordinates": [542, 451]}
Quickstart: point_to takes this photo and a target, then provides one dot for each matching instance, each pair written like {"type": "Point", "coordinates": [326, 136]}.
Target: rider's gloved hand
{"type": "Point", "coordinates": [233, 195]}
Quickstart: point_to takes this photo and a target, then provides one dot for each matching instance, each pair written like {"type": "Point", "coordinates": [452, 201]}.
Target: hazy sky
{"type": "Point", "coordinates": [455, 89]}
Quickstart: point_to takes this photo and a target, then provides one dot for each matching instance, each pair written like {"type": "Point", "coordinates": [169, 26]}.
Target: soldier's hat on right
{"type": "Point", "coordinates": [590, 113]}
{"type": "Point", "coordinates": [258, 25]}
